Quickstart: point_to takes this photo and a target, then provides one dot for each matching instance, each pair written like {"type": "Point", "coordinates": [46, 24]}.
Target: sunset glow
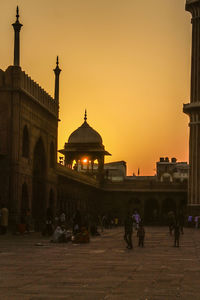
{"type": "Point", "coordinates": [126, 62]}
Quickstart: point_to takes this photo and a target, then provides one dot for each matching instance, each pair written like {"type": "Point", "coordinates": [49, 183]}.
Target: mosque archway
{"type": "Point", "coordinates": [151, 211]}
{"type": "Point", "coordinates": [168, 205]}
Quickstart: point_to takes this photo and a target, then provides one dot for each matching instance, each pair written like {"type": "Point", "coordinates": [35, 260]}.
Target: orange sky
{"type": "Point", "coordinates": [126, 61]}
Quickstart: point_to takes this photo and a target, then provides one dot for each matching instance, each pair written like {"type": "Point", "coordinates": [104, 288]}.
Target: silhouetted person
{"type": "Point", "coordinates": [176, 234]}
{"type": "Point", "coordinates": [181, 221]}
{"type": "Point", "coordinates": [49, 222]}
{"type": "Point", "coordinates": [141, 235]}
{"type": "Point", "coordinates": [128, 228]}
{"type": "Point", "coordinates": [171, 221]}
{"type": "Point", "coordinates": [77, 222]}
{"type": "Point", "coordinates": [190, 220]}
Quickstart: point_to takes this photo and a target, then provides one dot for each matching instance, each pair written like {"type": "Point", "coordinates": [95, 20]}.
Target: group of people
{"type": "Point", "coordinates": [80, 228]}
{"type": "Point", "coordinates": [133, 221]}
{"type": "Point", "coordinates": [62, 234]}
{"type": "Point", "coordinates": [193, 221]}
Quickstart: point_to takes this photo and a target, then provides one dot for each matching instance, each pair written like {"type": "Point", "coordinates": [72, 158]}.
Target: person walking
{"type": "Point", "coordinates": [141, 235]}
{"type": "Point", "coordinates": [181, 221]}
{"type": "Point", "coordinates": [171, 221]}
{"type": "Point", "coordinates": [196, 222]}
{"type": "Point", "coordinates": [128, 228]}
{"type": "Point", "coordinates": [4, 219]}
{"type": "Point", "coordinates": [176, 234]}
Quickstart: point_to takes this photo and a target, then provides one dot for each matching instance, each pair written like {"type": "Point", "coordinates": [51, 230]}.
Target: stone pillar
{"type": "Point", "coordinates": [101, 169]}
{"type": "Point", "coordinates": [193, 108]}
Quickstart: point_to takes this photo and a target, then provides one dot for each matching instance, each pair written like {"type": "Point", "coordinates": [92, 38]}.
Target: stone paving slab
{"type": "Point", "coordinates": [103, 269]}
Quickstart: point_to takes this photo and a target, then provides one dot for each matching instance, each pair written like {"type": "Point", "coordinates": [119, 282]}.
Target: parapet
{"type": "Point", "coordinates": [15, 78]}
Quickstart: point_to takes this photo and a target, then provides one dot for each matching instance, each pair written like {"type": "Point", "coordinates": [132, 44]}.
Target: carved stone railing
{"type": "Point", "coordinates": [15, 78]}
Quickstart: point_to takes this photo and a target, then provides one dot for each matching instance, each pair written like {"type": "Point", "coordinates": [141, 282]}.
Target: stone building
{"type": "Point", "coordinates": [192, 109]}
{"type": "Point", "coordinates": [28, 135]}
{"type": "Point", "coordinates": [170, 171]}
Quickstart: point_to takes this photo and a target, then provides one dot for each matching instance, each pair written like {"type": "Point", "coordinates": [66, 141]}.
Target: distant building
{"type": "Point", "coordinates": [115, 171]}
{"type": "Point", "coordinates": [172, 171]}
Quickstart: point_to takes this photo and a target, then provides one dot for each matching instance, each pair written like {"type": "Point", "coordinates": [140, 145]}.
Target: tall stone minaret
{"type": "Point", "coordinates": [57, 71]}
{"type": "Point", "coordinates": [17, 27]}
{"type": "Point", "coordinates": [192, 109]}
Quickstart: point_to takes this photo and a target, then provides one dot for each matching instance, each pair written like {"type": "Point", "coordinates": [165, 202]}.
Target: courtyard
{"type": "Point", "coordinates": [32, 268]}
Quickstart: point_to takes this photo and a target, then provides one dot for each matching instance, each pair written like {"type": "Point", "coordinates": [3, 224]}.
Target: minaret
{"type": "Point", "coordinates": [85, 116]}
{"type": "Point", "coordinates": [57, 71]}
{"type": "Point", "coordinates": [17, 27]}
{"type": "Point", "coordinates": [192, 109]}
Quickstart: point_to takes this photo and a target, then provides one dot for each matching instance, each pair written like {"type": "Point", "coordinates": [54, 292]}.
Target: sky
{"type": "Point", "coordinates": [126, 61]}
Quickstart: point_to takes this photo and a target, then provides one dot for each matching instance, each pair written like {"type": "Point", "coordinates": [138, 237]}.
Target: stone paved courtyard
{"type": "Point", "coordinates": [102, 269]}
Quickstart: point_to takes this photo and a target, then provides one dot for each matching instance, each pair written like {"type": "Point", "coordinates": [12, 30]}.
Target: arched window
{"type": "Point", "coordinates": [52, 156]}
{"type": "Point", "coordinates": [25, 143]}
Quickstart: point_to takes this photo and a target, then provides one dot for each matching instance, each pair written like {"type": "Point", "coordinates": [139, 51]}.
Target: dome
{"type": "Point", "coordinates": [84, 141]}
{"type": "Point", "coordinates": [85, 134]}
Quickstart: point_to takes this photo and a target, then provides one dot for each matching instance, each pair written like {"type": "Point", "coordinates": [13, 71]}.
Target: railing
{"type": "Point", "coordinates": [15, 78]}
{"type": "Point", "coordinates": [37, 92]}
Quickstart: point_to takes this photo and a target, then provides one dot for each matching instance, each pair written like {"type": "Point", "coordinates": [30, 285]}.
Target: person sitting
{"type": "Point", "coordinates": [57, 235]}
{"type": "Point", "coordinates": [61, 235]}
{"type": "Point", "coordinates": [82, 236]}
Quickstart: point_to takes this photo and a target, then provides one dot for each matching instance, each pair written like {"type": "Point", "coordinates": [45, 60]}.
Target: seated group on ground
{"type": "Point", "coordinates": [79, 232]}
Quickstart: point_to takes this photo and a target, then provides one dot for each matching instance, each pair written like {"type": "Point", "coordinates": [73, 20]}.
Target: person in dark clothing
{"type": "Point", "coordinates": [48, 230]}
{"type": "Point", "coordinates": [141, 235]}
{"type": "Point", "coordinates": [171, 221]}
{"type": "Point", "coordinates": [128, 228]}
{"type": "Point", "coordinates": [77, 222]}
{"type": "Point", "coordinates": [176, 234]}
{"type": "Point", "coordinates": [181, 221]}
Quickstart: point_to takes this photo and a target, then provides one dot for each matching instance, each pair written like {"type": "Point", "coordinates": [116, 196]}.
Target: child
{"type": "Point", "coordinates": [141, 235]}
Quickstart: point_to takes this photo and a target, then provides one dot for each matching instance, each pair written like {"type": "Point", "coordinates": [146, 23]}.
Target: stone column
{"type": "Point", "coordinates": [192, 109]}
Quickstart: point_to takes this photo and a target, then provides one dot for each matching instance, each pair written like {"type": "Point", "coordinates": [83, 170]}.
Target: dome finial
{"type": "Point", "coordinates": [17, 15]}
{"type": "Point", "coordinates": [85, 117]}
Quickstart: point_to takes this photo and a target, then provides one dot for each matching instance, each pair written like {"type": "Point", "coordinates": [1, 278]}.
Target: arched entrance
{"type": "Point", "coordinates": [168, 205]}
{"type": "Point", "coordinates": [151, 211]}
{"type": "Point", "coordinates": [39, 184]}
